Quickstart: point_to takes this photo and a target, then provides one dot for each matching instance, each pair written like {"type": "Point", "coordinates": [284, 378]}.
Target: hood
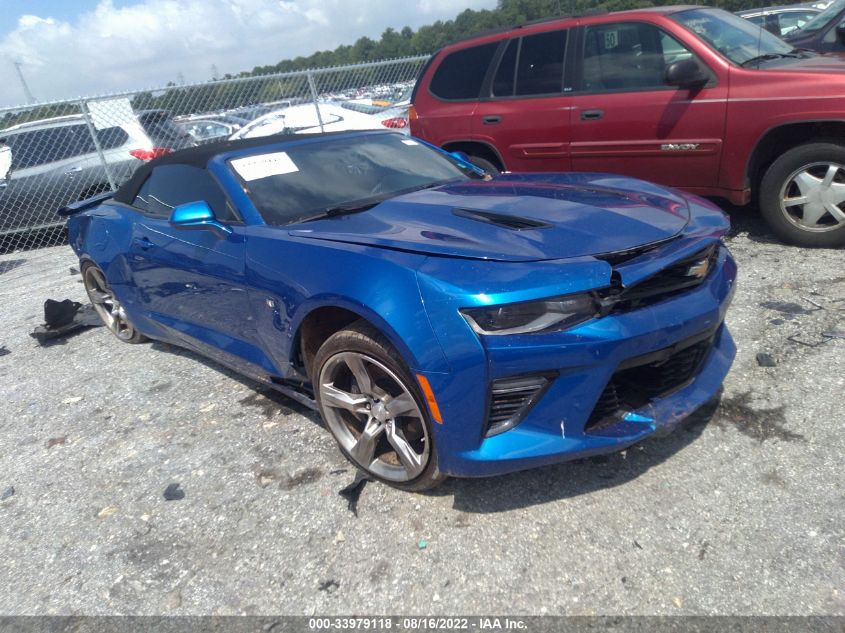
{"type": "Point", "coordinates": [515, 217]}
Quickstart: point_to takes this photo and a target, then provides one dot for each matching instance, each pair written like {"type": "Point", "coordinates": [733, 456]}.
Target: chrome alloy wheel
{"type": "Point", "coordinates": [812, 197]}
{"type": "Point", "coordinates": [374, 416]}
{"type": "Point", "coordinates": [106, 304]}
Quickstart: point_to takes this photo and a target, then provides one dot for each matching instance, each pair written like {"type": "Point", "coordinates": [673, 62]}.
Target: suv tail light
{"type": "Point", "coordinates": [396, 122]}
{"type": "Point", "coordinates": [149, 154]}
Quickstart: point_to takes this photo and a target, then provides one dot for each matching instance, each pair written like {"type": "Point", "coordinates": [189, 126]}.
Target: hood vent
{"type": "Point", "coordinates": [514, 223]}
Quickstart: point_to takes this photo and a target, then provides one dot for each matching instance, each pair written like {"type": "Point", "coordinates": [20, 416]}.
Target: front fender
{"type": "Point", "coordinates": [291, 277]}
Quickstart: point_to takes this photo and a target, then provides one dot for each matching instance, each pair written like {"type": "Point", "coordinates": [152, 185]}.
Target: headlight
{"type": "Point", "coordinates": [548, 315]}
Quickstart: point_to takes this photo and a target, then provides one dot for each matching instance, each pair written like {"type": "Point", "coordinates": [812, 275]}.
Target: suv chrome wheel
{"type": "Point", "coordinates": [374, 416]}
{"type": "Point", "coordinates": [812, 197]}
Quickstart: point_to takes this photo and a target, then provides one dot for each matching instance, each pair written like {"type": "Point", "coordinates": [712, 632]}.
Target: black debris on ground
{"type": "Point", "coordinates": [7, 493]}
{"type": "Point", "coordinates": [62, 318]}
{"type": "Point", "coordinates": [353, 491]}
{"type": "Point", "coordinates": [174, 493]}
{"type": "Point", "coordinates": [4, 351]}
{"type": "Point", "coordinates": [74, 270]}
{"type": "Point", "coordinates": [786, 307]}
{"type": "Point", "coordinates": [765, 359]}
{"type": "Point", "coordinates": [329, 585]}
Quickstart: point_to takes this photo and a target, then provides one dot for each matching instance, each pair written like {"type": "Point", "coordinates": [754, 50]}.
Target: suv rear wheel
{"type": "Point", "coordinates": [802, 195]}
{"type": "Point", "coordinates": [485, 164]}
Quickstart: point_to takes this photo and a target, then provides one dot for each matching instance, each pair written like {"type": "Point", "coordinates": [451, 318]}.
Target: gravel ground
{"type": "Point", "coordinates": [738, 512]}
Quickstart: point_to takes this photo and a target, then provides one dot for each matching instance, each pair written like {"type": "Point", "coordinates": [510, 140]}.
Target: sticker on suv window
{"type": "Point", "coordinates": [264, 166]}
{"type": "Point", "coordinates": [611, 39]}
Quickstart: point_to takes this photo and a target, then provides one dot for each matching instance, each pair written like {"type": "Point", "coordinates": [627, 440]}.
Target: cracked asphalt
{"type": "Point", "coordinates": [740, 511]}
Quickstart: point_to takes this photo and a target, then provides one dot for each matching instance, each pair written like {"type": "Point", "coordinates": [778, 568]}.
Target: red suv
{"type": "Point", "coordinates": [692, 97]}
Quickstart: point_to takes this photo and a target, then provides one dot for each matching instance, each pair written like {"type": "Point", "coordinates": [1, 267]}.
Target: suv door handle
{"type": "Point", "coordinates": [144, 243]}
{"type": "Point", "coordinates": [491, 119]}
{"type": "Point", "coordinates": [592, 115]}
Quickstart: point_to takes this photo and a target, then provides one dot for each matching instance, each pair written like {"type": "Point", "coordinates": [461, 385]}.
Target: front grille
{"type": "Point", "coordinates": [510, 400]}
{"type": "Point", "coordinates": [683, 275]}
{"type": "Point", "coordinates": [644, 378]}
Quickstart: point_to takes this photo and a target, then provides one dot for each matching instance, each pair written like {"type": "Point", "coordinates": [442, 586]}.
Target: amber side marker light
{"type": "Point", "coordinates": [412, 113]}
{"type": "Point", "coordinates": [429, 397]}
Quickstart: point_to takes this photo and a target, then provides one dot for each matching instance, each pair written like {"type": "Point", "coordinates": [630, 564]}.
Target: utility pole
{"type": "Point", "coordinates": [26, 91]}
{"type": "Point", "coordinates": [214, 73]}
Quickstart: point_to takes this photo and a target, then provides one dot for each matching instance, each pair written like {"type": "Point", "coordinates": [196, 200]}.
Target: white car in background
{"type": "Point", "coordinates": [302, 119]}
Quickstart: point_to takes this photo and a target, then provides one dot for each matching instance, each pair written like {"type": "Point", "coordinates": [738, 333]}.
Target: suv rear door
{"type": "Point", "coordinates": [451, 96]}
{"type": "Point", "coordinates": [525, 112]}
{"type": "Point", "coordinates": [49, 169]}
{"type": "Point", "coordinates": [627, 120]}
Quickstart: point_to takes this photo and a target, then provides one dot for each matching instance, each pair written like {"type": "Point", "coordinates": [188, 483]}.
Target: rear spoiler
{"type": "Point", "coordinates": [82, 205]}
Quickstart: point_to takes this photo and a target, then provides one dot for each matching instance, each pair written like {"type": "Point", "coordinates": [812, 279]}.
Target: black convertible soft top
{"type": "Point", "coordinates": [200, 155]}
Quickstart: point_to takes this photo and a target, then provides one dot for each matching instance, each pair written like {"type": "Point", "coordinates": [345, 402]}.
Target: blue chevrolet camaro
{"type": "Point", "coordinates": [441, 322]}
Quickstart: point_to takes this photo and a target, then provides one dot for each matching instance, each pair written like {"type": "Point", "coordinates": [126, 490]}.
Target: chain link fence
{"type": "Point", "coordinates": [52, 154]}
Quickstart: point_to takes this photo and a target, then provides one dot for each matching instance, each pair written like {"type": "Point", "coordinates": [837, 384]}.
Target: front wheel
{"type": "Point", "coordinates": [372, 406]}
{"type": "Point", "coordinates": [802, 195]}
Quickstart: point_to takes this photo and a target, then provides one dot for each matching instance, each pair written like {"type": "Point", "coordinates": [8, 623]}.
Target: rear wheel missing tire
{"type": "Point", "coordinates": [107, 305]}
{"type": "Point", "coordinates": [373, 407]}
{"type": "Point", "coordinates": [802, 195]}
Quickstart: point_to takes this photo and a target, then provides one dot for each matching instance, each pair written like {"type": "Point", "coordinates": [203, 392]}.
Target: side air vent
{"type": "Point", "coordinates": [514, 223]}
{"type": "Point", "coordinates": [511, 399]}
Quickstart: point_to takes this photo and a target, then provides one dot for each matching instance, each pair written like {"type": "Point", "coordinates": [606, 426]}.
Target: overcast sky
{"type": "Point", "coordinates": [69, 48]}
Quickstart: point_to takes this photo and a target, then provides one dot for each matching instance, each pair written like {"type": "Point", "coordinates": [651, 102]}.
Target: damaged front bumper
{"type": "Point", "coordinates": [666, 360]}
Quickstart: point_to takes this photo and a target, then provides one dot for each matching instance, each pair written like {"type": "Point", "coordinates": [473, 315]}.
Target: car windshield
{"type": "Point", "coordinates": [341, 175]}
{"type": "Point", "coordinates": [737, 39]}
{"type": "Point", "coordinates": [821, 20]}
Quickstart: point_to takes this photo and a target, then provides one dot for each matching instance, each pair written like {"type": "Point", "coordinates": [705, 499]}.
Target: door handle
{"type": "Point", "coordinates": [144, 243]}
{"type": "Point", "coordinates": [73, 170]}
{"type": "Point", "coordinates": [592, 115]}
{"type": "Point", "coordinates": [491, 119]}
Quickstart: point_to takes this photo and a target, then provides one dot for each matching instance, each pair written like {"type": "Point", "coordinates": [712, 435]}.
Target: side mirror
{"type": "Point", "coordinates": [197, 215]}
{"type": "Point", "coordinates": [686, 73]}
{"type": "Point", "coordinates": [5, 161]}
{"type": "Point", "coordinates": [840, 32]}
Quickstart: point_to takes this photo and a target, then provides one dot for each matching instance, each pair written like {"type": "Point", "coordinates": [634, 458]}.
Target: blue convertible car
{"type": "Point", "coordinates": [442, 322]}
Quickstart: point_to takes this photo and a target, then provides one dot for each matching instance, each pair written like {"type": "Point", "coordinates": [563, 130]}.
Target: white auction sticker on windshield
{"type": "Point", "coordinates": [264, 166]}
{"type": "Point", "coordinates": [408, 141]}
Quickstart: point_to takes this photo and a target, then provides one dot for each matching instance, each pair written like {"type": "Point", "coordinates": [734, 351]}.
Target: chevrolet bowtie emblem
{"type": "Point", "coordinates": [699, 269]}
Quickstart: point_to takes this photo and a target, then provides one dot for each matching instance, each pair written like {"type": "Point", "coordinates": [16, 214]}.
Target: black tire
{"type": "Point", "coordinates": [108, 308]}
{"type": "Point", "coordinates": [785, 221]}
{"type": "Point", "coordinates": [362, 339]}
{"type": "Point", "coordinates": [485, 164]}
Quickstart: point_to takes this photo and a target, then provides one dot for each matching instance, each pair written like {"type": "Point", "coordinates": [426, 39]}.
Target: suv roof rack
{"type": "Point", "coordinates": [505, 29]}
{"type": "Point", "coordinates": [65, 118]}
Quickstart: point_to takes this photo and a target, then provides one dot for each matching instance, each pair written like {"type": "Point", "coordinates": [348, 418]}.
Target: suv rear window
{"type": "Point", "coordinates": [461, 73]}
{"type": "Point", "coordinates": [540, 66]}
{"type": "Point", "coordinates": [49, 145]}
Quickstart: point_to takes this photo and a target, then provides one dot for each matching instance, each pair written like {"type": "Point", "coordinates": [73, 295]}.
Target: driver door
{"type": "Point", "coordinates": [192, 281]}
{"type": "Point", "coordinates": [626, 120]}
